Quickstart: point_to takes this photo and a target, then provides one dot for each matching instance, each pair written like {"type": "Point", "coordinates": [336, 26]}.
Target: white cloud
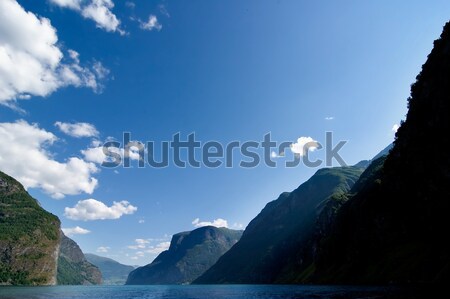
{"type": "Point", "coordinates": [77, 130]}
{"type": "Point", "coordinates": [329, 118]}
{"type": "Point", "coordinates": [103, 249]}
{"type": "Point", "coordinates": [142, 241]}
{"type": "Point", "coordinates": [73, 4]}
{"type": "Point", "coordinates": [99, 11]}
{"type": "Point", "coordinates": [24, 155]}
{"type": "Point", "coordinates": [95, 153]}
{"type": "Point", "coordinates": [139, 244]}
{"type": "Point", "coordinates": [238, 225]}
{"type": "Point", "coordinates": [151, 24]}
{"type": "Point", "coordinates": [141, 221]}
{"type": "Point", "coordinates": [31, 63]}
{"type": "Point", "coordinates": [274, 155]}
{"type": "Point", "coordinates": [143, 247]}
{"type": "Point", "coordinates": [163, 246]}
{"type": "Point", "coordinates": [303, 144]}
{"type": "Point", "coordinates": [75, 231]}
{"type": "Point", "coordinates": [219, 222]}
{"type": "Point", "coordinates": [91, 209]}
{"type": "Point", "coordinates": [395, 128]}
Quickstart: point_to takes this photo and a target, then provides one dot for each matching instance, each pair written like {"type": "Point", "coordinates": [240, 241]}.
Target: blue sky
{"type": "Point", "coordinates": [226, 70]}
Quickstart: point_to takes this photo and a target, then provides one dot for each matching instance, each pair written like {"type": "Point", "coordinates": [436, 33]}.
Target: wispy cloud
{"type": "Point", "coordinates": [148, 247]}
{"type": "Point", "coordinates": [91, 209]}
{"type": "Point", "coordinates": [103, 249]}
{"type": "Point", "coordinates": [238, 225]}
{"type": "Point", "coordinates": [77, 130]}
{"type": "Point", "coordinates": [151, 24]}
{"type": "Point", "coordinates": [130, 4]}
{"type": "Point", "coordinates": [158, 248]}
{"type": "Point", "coordinates": [99, 11]}
{"type": "Point", "coordinates": [329, 118]}
{"type": "Point", "coordinates": [95, 153]}
{"type": "Point", "coordinates": [75, 231]}
{"type": "Point", "coordinates": [163, 10]}
{"type": "Point", "coordinates": [219, 222]}
{"type": "Point", "coordinates": [274, 155]}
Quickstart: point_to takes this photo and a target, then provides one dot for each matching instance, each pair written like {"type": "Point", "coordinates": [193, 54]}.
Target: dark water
{"type": "Point", "coordinates": [206, 292]}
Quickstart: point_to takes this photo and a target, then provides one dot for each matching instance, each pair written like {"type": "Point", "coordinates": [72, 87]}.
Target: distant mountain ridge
{"type": "Point", "coordinates": [190, 254]}
{"type": "Point", "coordinates": [113, 272]}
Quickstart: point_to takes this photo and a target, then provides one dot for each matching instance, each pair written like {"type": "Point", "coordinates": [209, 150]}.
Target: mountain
{"type": "Point", "coordinates": [384, 152]}
{"type": "Point", "coordinates": [33, 250]}
{"type": "Point", "coordinates": [113, 273]}
{"type": "Point", "coordinates": [278, 240]}
{"type": "Point", "coordinates": [388, 227]}
{"type": "Point", "coordinates": [73, 268]}
{"type": "Point", "coordinates": [393, 229]}
{"type": "Point", "coordinates": [190, 254]}
{"type": "Point", "coordinates": [29, 237]}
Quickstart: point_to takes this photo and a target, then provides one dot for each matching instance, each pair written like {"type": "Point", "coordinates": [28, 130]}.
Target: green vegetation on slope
{"type": "Point", "coordinates": [73, 268]}
{"type": "Point", "coordinates": [29, 237]}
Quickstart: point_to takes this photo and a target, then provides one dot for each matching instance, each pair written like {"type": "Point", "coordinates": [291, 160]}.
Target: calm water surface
{"type": "Point", "coordinates": [205, 292]}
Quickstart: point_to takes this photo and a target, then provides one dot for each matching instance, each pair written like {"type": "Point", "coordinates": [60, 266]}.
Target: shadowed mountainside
{"type": "Point", "coordinates": [190, 254]}
{"type": "Point", "coordinates": [279, 238]}
{"type": "Point", "coordinates": [394, 228]}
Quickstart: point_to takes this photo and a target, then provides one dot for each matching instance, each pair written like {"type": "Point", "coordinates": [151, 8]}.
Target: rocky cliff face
{"type": "Point", "coordinates": [73, 268]}
{"type": "Point", "coordinates": [190, 255]}
{"type": "Point", "coordinates": [33, 250]}
{"type": "Point", "coordinates": [29, 237]}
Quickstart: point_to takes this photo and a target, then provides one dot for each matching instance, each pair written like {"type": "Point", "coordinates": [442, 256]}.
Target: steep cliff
{"type": "Point", "coordinates": [73, 268]}
{"type": "Point", "coordinates": [29, 237]}
{"type": "Point", "coordinates": [33, 250]}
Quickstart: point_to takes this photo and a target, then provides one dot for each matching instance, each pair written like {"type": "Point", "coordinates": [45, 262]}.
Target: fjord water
{"type": "Point", "coordinates": [206, 292]}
